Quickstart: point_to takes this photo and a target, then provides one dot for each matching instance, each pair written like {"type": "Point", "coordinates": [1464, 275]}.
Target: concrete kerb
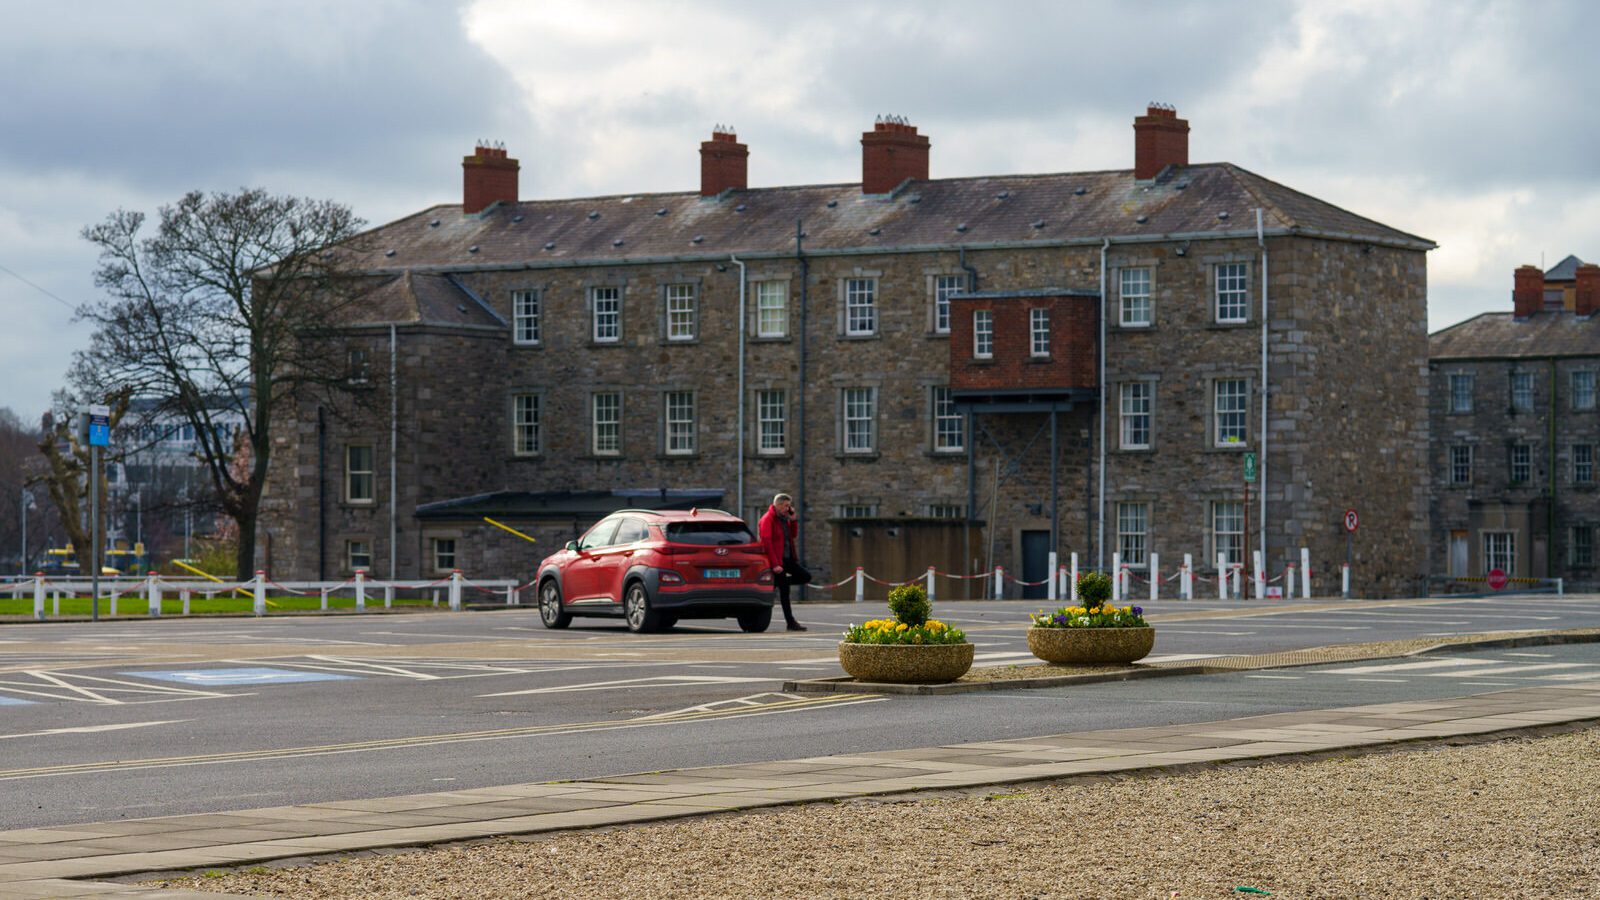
{"type": "Point", "coordinates": [847, 685]}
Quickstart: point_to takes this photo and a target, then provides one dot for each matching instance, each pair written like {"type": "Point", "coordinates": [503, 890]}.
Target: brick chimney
{"type": "Point", "coordinates": [890, 153]}
{"type": "Point", "coordinates": [1160, 139]}
{"type": "Point", "coordinates": [488, 177]}
{"type": "Point", "coordinates": [724, 163]}
{"type": "Point", "coordinates": [1586, 302]}
{"type": "Point", "coordinates": [1527, 292]}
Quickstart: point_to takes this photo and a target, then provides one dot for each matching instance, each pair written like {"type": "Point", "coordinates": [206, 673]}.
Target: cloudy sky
{"type": "Point", "coordinates": [1471, 123]}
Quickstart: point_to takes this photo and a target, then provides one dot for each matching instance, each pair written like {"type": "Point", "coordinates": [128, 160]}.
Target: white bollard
{"type": "Point", "coordinates": [1288, 582]}
{"type": "Point", "coordinates": [1222, 576]}
{"type": "Point", "coordinates": [324, 593]}
{"type": "Point", "coordinates": [861, 584]}
{"type": "Point", "coordinates": [1261, 577]}
{"type": "Point", "coordinates": [184, 596]}
{"type": "Point", "coordinates": [999, 583]}
{"type": "Point", "coordinates": [152, 589]}
{"type": "Point", "coordinates": [1305, 573]}
{"type": "Point", "coordinates": [1237, 588]}
{"type": "Point", "coordinates": [930, 584]}
{"type": "Point", "coordinates": [261, 592]}
{"type": "Point", "coordinates": [455, 590]}
{"type": "Point", "coordinates": [1053, 578]}
{"type": "Point", "coordinates": [1155, 577]}
{"type": "Point", "coordinates": [511, 596]}
{"type": "Point", "coordinates": [1186, 583]}
{"type": "Point", "coordinates": [1344, 579]}
{"type": "Point", "coordinates": [38, 595]}
{"type": "Point", "coordinates": [388, 596]}
{"type": "Point", "coordinates": [1116, 578]}
{"type": "Point", "coordinates": [1074, 583]}
{"type": "Point", "coordinates": [361, 590]}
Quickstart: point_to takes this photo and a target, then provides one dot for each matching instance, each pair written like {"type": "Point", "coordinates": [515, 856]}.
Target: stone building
{"type": "Point", "coordinates": [922, 362]}
{"type": "Point", "coordinates": [1514, 428]}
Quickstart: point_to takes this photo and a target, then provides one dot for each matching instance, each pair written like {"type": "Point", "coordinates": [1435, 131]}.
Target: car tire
{"type": "Point", "coordinates": [636, 609]}
{"type": "Point", "coordinates": [668, 622]}
{"type": "Point", "coordinates": [755, 621]}
{"type": "Point", "coordinates": [550, 611]}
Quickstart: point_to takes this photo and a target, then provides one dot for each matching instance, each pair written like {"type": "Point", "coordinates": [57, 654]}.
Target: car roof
{"type": "Point", "coordinates": [681, 515]}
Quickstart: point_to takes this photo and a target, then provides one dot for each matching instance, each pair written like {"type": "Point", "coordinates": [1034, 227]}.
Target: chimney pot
{"type": "Point", "coordinates": [890, 153]}
{"type": "Point", "coordinates": [1160, 139]}
{"type": "Point", "coordinates": [1527, 292]}
{"type": "Point", "coordinates": [488, 177]}
{"type": "Point", "coordinates": [724, 163]}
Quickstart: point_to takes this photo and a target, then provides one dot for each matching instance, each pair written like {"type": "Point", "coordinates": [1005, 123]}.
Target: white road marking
{"type": "Point", "coordinates": [1385, 680]}
{"type": "Point", "coordinates": [1278, 677]}
{"type": "Point", "coordinates": [89, 729]}
{"type": "Point", "coordinates": [1405, 667]}
{"type": "Point", "coordinates": [1507, 670]}
{"type": "Point", "coordinates": [1167, 629]}
{"type": "Point", "coordinates": [1178, 657]}
{"type": "Point", "coordinates": [1487, 683]}
{"type": "Point", "coordinates": [659, 681]}
{"type": "Point", "coordinates": [1534, 655]}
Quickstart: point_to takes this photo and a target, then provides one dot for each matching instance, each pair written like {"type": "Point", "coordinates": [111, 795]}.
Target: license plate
{"type": "Point", "coordinates": [720, 573]}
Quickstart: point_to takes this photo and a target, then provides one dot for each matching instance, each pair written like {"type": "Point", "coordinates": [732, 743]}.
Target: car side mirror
{"type": "Point", "coordinates": [572, 545]}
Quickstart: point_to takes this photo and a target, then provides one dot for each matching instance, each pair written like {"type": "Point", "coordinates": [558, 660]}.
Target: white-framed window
{"type": "Point", "coordinates": [1461, 392]}
{"type": "Point", "coordinates": [1500, 552]}
{"type": "Point", "coordinates": [1133, 532]}
{"type": "Point", "coordinates": [1583, 390]}
{"type": "Point", "coordinates": [1227, 531]}
{"type": "Point", "coordinates": [946, 511]}
{"type": "Point", "coordinates": [772, 421]}
{"type": "Point", "coordinates": [1580, 549]}
{"type": "Point", "coordinates": [526, 420]}
{"type": "Point", "coordinates": [607, 305]}
{"type": "Point", "coordinates": [357, 555]}
{"type": "Point", "coordinates": [943, 287]}
{"type": "Point", "coordinates": [1461, 464]}
{"type": "Point", "coordinates": [1583, 464]}
{"type": "Point", "coordinates": [1135, 294]}
{"type": "Point", "coordinates": [1038, 332]}
{"type": "Point", "coordinates": [949, 426]}
{"type": "Point", "coordinates": [681, 312]}
{"type": "Point", "coordinates": [1230, 410]}
{"type": "Point", "coordinates": [359, 474]}
{"type": "Point", "coordinates": [772, 309]}
{"type": "Point", "coordinates": [679, 416]}
{"type": "Point", "coordinates": [1136, 397]}
{"type": "Point", "coordinates": [444, 554]}
{"type": "Point", "coordinates": [606, 423]}
{"type": "Point", "coordinates": [1521, 463]}
{"type": "Point", "coordinates": [857, 510]}
{"type": "Point", "coordinates": [525, 324]}
{"type": "Point", "coordinates": [355, 365]}
{"type": "Point", "coordinates": [860, 419]}
{"type": "Point", "coordinates": [983, 334]}
{"type": "Point", "coordinates": [1233, 293]}
{"type": "Point", "coordinates": [860, 306]}
{"type": "Point", "coordinates": [1522, 391]}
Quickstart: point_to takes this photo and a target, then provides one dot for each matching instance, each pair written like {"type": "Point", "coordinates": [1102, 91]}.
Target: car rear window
{"type": "Point", "coordinates": [709, 533]}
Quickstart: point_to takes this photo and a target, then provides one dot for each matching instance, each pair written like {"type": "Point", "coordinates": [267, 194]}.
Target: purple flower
{"type": "Point", "coordinates": [1138, 610]}
{"type": "Point", "coordinates": [1060, 620]}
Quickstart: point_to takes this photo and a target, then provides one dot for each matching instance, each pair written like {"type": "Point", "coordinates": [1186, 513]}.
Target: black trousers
{"type": "Point", "coordinates": [793, 573]}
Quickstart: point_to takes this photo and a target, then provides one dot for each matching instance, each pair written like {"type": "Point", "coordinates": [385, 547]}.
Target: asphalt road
{"type": "Point", "coordinates": [129, 719]}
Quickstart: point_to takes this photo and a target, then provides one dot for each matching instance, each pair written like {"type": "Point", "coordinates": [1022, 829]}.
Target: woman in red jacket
{"type": "Point", "coordinates": [778, 534]}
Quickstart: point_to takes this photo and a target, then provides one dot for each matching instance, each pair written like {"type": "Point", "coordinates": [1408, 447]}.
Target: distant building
{"type": "Point", "coordinates": [157, 485]}
{"type": "Point", "coordinates": [1514, 431]}
{"type": "Point", "coordinates": [899, 351]}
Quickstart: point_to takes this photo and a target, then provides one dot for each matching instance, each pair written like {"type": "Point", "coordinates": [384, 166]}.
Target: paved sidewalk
{"type": "Point", "coordinates": [45, 862]}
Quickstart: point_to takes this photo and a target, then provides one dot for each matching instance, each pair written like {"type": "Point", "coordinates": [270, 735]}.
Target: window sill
{"type": "Point", "coordinates": [600, 345]}
{"type": "Point", "coordinates": [1119, 328]}
{"type": "Point", "coordinates": [678, 457]}
{"type": "Point", "coordinates": [772, 339]}
{"type": "Point", "coordinates": [861, 337]}
{"type": "Point", "coordinates": [1228, 448]}
{"type": "Point", "coordinates": [867, 456]}
{"type": "Point", "coordinates": [527, 345]}
{"type": "Point", "coordinates": [981, 361]}
{"type": "Point", "coordinates": [946, 454]}
{"type": "Point", "coordinates": [1229, 326]}
{"type": "Point", "coordinates": [937, 335]}
{"type": "Point", "coordinates": [358, 504]}
{"type": "Point", "coordinates": [678, 342]}
{"type": "Point", "coordinates": [773, 457]}
{"type": "Point", "coordinates": [1134, 451]}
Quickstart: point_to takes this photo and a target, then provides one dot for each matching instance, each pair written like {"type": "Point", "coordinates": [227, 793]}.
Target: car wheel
{"type": "Point", "coordinates": [668, 622]}
{"type": "Point", "coordinates": [550, 611]}
{"type": "Point", "coordinates": [755, 621]}
{"type": "Point", "coordinates": [636, 607]}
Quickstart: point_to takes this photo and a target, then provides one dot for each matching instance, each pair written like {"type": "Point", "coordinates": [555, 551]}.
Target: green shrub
{"type": "Point", "coordinates": [1094, 588]}
{"type": "Point", "coordinates": [909, 603]}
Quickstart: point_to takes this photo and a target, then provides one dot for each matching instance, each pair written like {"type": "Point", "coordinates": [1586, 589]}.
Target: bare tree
{"type": "Point", "coordinates": [67, 469]}
{"type": "Point", "coordinates": [18, 468]}
{"type": "Point", "coordinates": [221, 315]}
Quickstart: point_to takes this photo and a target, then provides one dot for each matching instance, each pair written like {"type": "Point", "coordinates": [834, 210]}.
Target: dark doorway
{"type": "Point", "coordinates": [1036, 564]}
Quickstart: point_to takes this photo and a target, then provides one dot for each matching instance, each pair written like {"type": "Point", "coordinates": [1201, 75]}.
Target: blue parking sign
{"type": "Point", "coordinates": [99, 426]}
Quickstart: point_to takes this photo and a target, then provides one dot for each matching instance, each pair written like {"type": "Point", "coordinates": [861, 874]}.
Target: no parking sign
{"type": "Point", "coordinates": [1351, 520]}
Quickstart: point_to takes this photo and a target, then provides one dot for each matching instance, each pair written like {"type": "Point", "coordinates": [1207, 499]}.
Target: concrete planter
{"type": "Point", "coordinates": [905, 663]}
{"type": "Point", "coordinates": [1091, 646]}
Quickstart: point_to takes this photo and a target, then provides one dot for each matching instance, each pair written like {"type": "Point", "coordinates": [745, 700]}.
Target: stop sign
{"type": "Point", "coordinates": [1497, 579]}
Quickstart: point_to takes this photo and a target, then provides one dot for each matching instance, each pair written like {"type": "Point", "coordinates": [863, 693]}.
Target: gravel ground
{"type": "Point", "coordinates": [1511, 818]}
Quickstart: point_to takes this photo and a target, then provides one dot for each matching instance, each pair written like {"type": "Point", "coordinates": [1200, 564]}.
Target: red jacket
{"type": "Point", "coordinates": [772, 538]}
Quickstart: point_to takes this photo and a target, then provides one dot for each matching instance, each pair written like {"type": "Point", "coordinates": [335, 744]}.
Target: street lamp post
{"type": "Point", "coordinates": [22, 558]}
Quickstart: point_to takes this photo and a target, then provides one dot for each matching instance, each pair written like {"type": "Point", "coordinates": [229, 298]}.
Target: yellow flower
{"type": "Point", "coordinates": [900, 627]}
{"type": "Point", "coordinates": [917, 639]}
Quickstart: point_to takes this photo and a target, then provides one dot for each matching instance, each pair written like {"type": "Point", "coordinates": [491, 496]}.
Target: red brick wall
{"type": "Point", "coordinates": [1527, 293]}
{"type": "Point", "coordinates": [724, 164]}
{"type": "Point", "coordinates": [1160, 139]}
{"type": "Point", "coordinates": [1072, 359]}
{"type": "Point", "coordinates": [487, 177]}
{"type": "Point", "coordinates": [890, 153]}
{"type": "Point", "coordinates": [1586, 301]}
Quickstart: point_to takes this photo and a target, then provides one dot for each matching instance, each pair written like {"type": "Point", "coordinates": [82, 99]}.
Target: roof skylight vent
{"type": "Point", "coordinates": [1182, 185]}
{"type": "Point", "coordinates": [832, 203]}
{"type": "Point", "coordinates": [1002, 195]}
{"type": "Point", "coordinates": [550, 246]}
{"type": "Point", "coordinates": [594, 214]}
{"type": "Point", "coordinates": [1038, 223]}
{"type": "Point", "coordinates": [434, 224]}
{"type": "Point", "coordinates": [473, 249]}
{"type": "Point", "coordinates": [874, 231]}
{"type": "Point", "coordinates": [961, 227]}
{"type": "Point", "coordinates": [1079, 192]}
{"type": "Point", "coordinates": [1142, 219]}
{"type": "Point", "coordinates": [617, 242]}
{"type": "Point", "coordinates": [388, 252]}
{"type": "Point", "coordinates": [1223, 215]}
{"type": "Point", "coordinates": [914, 198]}
{"type": "Point", "coordinates": [697, 239]}
{"type": "Point", "coordinates": [662, 211]}
{"type": "Point", "coordinates": [740, 208]}
{"type": "Point", "coordinates": [517, 218]}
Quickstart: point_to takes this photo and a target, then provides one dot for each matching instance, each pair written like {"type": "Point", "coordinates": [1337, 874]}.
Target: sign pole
{"type": "Point", "coordinates": [94, 530]}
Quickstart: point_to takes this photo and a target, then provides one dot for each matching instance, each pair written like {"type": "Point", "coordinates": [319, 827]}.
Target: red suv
{"type": "Point", "coordinates": [652, 568]}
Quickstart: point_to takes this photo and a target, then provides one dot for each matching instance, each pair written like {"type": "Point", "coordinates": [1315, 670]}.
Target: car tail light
{"type": "Point", "coordinates": [766, 577]}
{"type": "Point", "coordinates": [670, 577]}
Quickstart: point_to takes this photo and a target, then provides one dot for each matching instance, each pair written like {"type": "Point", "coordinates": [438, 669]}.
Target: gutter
{"type": "Point", "coordinates": [739, 399]}
{"type": "Point", "coordinates": [1261, 465]}
{"type": "Point", "coordinates": [1100, 515]}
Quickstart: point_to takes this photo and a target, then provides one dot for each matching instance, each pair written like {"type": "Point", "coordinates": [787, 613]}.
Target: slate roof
{"type": "Point", "coordinates": [1196, 201]}
{"type": "Point", "coordinates": [1498, 335]}
{"type": "Point", "coordinates": [411, 298]}
{"type": "Point", "coordinates": [1566, 270]}
{"type": "Point", "coordinates": [565, 504]}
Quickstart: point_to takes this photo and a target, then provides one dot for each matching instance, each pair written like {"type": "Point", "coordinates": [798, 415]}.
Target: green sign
{"type": "Point", "coordinates": [1250, 468]}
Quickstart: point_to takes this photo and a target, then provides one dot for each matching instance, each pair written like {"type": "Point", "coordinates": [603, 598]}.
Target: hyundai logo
{"type": "Point", "coordinates": [722, 551]}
